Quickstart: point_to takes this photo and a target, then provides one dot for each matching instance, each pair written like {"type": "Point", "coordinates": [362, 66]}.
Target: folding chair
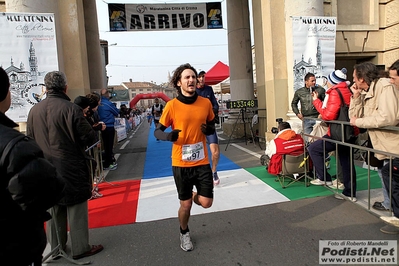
{"type": "Point", "coordinates": [293, 170]}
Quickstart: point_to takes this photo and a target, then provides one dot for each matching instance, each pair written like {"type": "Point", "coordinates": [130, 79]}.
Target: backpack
{"type": "Point", "coordinates": [8, 148]}
{"type": "Point", "coordinates": [343, 115]}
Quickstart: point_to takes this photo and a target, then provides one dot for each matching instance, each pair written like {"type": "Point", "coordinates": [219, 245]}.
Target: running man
{"type": "Point", "coordinates": [149, 115]}
{"type": "Point", "coordinates": [157, 110]}
{"type": "Point", "coordinates": [191, 118]}
{"type": "Point", "coordinates": [213, 141]}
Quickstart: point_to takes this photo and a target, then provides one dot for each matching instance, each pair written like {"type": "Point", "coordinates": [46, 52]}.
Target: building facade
{"type": "Point", "coordinates": [366, 31]}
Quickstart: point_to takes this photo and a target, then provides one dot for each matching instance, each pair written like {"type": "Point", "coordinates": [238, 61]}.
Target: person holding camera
{"type": "Point", "coordinates": [304, 97]}
{"type": "Point", "coordinates": [287, 141]}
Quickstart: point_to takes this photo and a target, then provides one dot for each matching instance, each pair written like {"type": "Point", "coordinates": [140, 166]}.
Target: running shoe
{"type": "Point", "coordinates": [216, 180]}
{"type": "Point", "coordinates": [95, 195]}
{"type": "Point", "coordinates": [342, 197]}
{"type": "Point", "coordinates": [389, 229]}
{"type": "Point", "coordinates": [335, 185]}
{"type": "Point", "coordinates": [391, 220]}
{"type": "Point", "coordinates": [318, 182]}
{"type": "Point", "coordinates": [111, 167]}
{"type": "Point", "coordinates": [185, 242]}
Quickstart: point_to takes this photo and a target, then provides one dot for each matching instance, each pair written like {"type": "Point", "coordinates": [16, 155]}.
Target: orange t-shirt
{"type": "Point", "coordinates": [190, 148]}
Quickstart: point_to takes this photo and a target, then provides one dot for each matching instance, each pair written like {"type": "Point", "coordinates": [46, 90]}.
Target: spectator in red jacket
{"type": "Point", "coordinates": [287, 141]}
{"type": "Point", "coordinates": [336, 81]}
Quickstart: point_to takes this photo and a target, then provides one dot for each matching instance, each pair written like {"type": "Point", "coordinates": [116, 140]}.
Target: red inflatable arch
{"type": "Point", "coordinates": [148, 96]}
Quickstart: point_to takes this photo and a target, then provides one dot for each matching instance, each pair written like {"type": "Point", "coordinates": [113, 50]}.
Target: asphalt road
{"type": "Point", "coordinates": [278, 234]}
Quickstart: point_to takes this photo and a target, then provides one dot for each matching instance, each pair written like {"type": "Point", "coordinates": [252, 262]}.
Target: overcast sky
{"type": "Point", "coordinates": [149, 56]}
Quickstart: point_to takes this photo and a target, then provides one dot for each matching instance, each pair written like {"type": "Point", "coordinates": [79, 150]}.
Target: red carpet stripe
{"type": "Point", "coordinates": [117, 206]}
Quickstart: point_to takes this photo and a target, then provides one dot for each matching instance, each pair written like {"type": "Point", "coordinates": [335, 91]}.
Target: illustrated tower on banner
{"type": "Point", "coordinates": [33, 62]}
{"type": "Point", "coordinates": [318, 57]}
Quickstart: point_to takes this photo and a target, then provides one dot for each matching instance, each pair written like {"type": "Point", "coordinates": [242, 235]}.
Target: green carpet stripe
{"type": "Point", "coordinates": [293, 192]}
{"type": "Point", "coordinates": [298, 190]}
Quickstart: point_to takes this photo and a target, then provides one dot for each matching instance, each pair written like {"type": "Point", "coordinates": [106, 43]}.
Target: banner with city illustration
{"type": "Point", "coordinates": [313, 48]}
{"type": "Point", "coordinates": [161, 17]}
{"type": "Point", "coordinates": [28, 51]}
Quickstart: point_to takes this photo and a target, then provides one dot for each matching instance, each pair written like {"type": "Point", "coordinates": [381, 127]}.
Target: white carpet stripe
{"type": "Point", "coordinates": [124, 144]}
{"type": "Point", "coordinates": [247, 151]}
{"type": "Point", "coordinates": [238, 189]}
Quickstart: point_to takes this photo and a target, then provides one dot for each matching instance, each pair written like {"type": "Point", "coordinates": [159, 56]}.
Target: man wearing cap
{"type": "Point", "coordinates": [83, 102]}
{"type": "Point", "coordinates": [304, 97]}
{"type": "Point", "coordinates": [63, 133]}
{"type": "Point", "coordinates": [213, 140]}
{"type": "Point", "coordinates": [336, 83]}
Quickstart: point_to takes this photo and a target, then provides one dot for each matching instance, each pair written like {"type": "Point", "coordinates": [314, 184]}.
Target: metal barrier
{"type": "Point", "coordinates": [94, 153]}
{"type": "Point", "coordinates": [358, 148]}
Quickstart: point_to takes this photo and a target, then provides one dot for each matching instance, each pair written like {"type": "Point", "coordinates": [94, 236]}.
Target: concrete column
{"type": "Point", "coordinates": [274, 56]}
{"type": "Point", "coordinates": [240, 57]}
{"type": "Point", "coordinates": [71, 38]}
{"type": "Point", "coordinates": [97, 73]}
{"type": "Point", "coordinates": [240, 63]}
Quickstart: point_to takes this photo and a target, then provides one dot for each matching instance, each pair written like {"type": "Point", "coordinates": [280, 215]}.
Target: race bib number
{"type": "Point", "coordinates": [193, 152]}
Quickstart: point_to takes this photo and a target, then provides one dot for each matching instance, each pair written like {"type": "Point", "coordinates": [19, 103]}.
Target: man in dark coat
{"type": "Point", "coordinates": [29, 186]}
{"type": "Point", "coordinates": [63, 133]}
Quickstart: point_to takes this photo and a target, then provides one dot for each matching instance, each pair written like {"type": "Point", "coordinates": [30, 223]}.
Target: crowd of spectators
{"type": "Point", "coordinates": [371, 106]}
{"type": "Point", "coordinates": [60, 144]}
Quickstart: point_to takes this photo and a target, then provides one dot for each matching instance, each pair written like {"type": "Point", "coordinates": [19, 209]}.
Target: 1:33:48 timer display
{"type": "Point", "coordinates": [242, 104]}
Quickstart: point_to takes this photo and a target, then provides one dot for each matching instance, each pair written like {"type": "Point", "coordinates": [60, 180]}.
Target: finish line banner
{"type": "Point", "coordinates": [161, 17]}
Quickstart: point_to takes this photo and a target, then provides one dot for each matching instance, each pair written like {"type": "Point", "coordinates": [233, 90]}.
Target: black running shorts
{"type": "Point", "coordinates": [188, 177]}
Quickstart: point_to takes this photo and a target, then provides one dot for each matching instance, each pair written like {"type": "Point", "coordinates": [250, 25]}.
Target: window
{"type": "Point", "coordinates": [355, 15]}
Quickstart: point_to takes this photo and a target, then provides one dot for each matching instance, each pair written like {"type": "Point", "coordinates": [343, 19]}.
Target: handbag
{"type": "Point", "coordinates": [336, 129]}
{"type": "Point", "coordinates": [374, 162]}
{"type": "Point", "coordinates": [8, 147]}
{"type": "Point", "coordinates": [319, 130]}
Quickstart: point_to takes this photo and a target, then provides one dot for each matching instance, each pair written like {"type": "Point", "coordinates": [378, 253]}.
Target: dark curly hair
{"type": "Point", "coordinates": [94, 99]}
{"type": "Point", "coordinates": [177, 74]}
{"type": "Point", "coordinates": [395, 66]}
{"type": "Point", "coordinates": [366, 71]}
